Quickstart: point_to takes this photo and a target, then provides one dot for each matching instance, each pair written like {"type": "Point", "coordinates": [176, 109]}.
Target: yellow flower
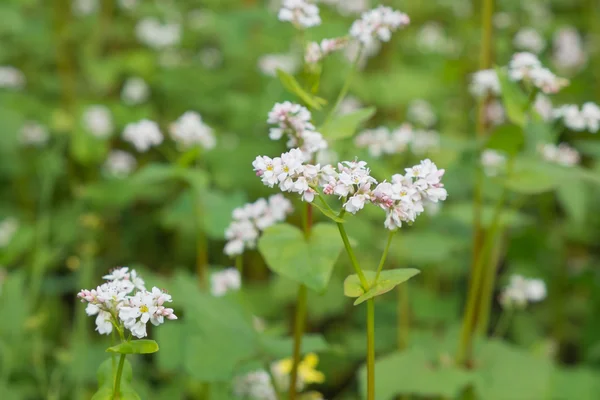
{"type": "Point", "coordinates": [307, 369]}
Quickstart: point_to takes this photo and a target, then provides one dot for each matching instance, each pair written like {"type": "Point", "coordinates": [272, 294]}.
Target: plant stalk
{"type": "Point", "coordinates": [117, 388]}
{"type": "Point", "coordinates": [371, 349]}
{"type": "Point", "coordinates": [384, 255]}
{"type": "Point", "coordinates": [357, 269]}
{"type": "Point", "coordinates": [346, 86]}
{"type": "Point", "coordinates": [299, 324]}
{"type": "Point", "coordinates": [403, 319]}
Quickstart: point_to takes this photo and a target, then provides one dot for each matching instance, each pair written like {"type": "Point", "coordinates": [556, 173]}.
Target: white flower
{"type": "Point", "coordinates": [349, 105]}
{"type": "Point", "coordinates": [119, 163]}
{"type": "Point", "coordinates": [189, 130]}
{"type": "Point", "coordinates": [588, 118]}
{"type": "Point", "coordinates": [117, 274]}
{"type": "Point", "coordinates": [225, 281]}
{"type": "Point", "coordinates": [423, 141]}
{"type": "Point", "coordinates": [270, 63]}
{"type": "Point", "coordinates": [135, 91]}
{"type": "Point", "coordinates": [591, 114]}
{"type": "Point", "coordinates": [493, 162]}
{"type": "Point", "coordinates": [8, 227]}
{"type": "Point", "coordinates": [11, 77]}
{"type": "Point", "coordinates": [529, 39]}
{"type": "Point", "coordinates": [98, 121]}
{"type": "Point", "coordinates": [301, 13]}
{"type": "Point", "coordinates": [127, 4]}
{"type": "Point", "coordinates": [563, 154]}
{"type": "Point", "coordinates": [377, 141]}
{"type": "Point", "coordinates": [432, 38]}
{"type": "Point", "coordinates": [315, 52]}
{"type": "Point", "coordinates": [494, 113]}
{"type": "Point", "coordinates": [143, 307]}
{"type": "Point", "coordinates": [522, 64]}
{"type": "Point", "coordinates": [485, 83]}
{"type": "Point", "coordinates": [546, 81]}
{"type": "Point", "coordinates": [348, 7]}
{"type": "Point", "coordinates": [421, 113]}
{"type": "Point", "coordinates": [143, 135]}
{"type": "Point", "coordinates": [527, 67]}
{"type": "Point", "coordinates": [254, 385]}
{"type": "Point", "coordinates": [211, 57]}
{"type": "Point", "coordinates": [378, 25]}
{"type": "Point", "coordinates": [153, 33]}
{"type": "Point", "coordinates": [104, 324]}
{"type": "Point", "coordinates": [569, 53]}
{"type": "Point", "coordinates": [34, 134]}
{"type": "Point", "coordinates": [84, 7]}
{"type": "Point", "coordinates": [521, 291]}
{"type": "Point", "coordinates": [543, 106]}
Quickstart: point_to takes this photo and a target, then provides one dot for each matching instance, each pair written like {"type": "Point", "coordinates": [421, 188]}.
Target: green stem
{"type": "Point", "coordinates": [489, 282]}
{"type": "Point", "coordinates": [117, 388]}
{"type": "Point", "coordinates": [357, 269]}
{"type": "Point", "coordinates": [403, 318]}
{"type": "Point", "coordinates": [371, 349]}
{"type": "Point", "coordinates": [346, 86]}
{"type": "Point", "coordinates": [384, 255]}
{"type": "Point", "coordinates": [239, 264]}
{"type": "Point", "coordinates": [503, 323]}
{"type": "Point", "coordinates": [299, 323]}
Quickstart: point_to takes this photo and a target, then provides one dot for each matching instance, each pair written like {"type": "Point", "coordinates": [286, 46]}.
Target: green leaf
{"type": "Point", "coordinates": [507, 139]}
{"type": "Point", "coordinates": [388, 280]}
{"type": "Point", "coordinates": [291, 85]}
{"type": "Point", "coordinates": [412, 372]}
{"type": "Point", "coordinates": [531, 177]}
{"type": "Point", "coordinates": [144, 346]}
{"type": "Point", "coordinates": [106, 377]}
{"type": "Point", "coordinates": [575, 383]}
{"type": "Point", "coordinates": [217, 209]}
{"type": "Point", "coordinates": [328, 213]}
{"type": "Point", "coordinates": [514, 99]}
{"type": "Point", "coordinates": [573, 196]}
{"type": "Point", "coordinates": [345, 126]}
{"type": "Point", "coordinates": [310, 262]}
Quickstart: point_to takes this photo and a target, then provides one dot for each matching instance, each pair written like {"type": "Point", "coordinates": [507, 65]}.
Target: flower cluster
{"type": "Point", "coordinates": [402, 199]}
{"type": "Point", "coordinates": [493, 162]}
{"type": "Point", "coordinates": [8, 228]}
{"type": "Point", "coordinates": [378, 24]}
{"type": "Point", "coordinates": [143, 135]}
{"type": "Point", "coordinates": [123, 301]}
{"type": "Point", "coordinates": [421, 113]}
{"type": "Point", "coordinates": [268, 64]}
{"type": "Point", "coordinates": [119, 163]}
{"type": "Point", "coordinates": [254, 385]}
{"type": "Point", "coordinates": [34, 134]}
{"type": "Point", "coordinates": [293, 120]}
{"type": "Point", "coordinates": [521, 291]}
{"type": "Point", "coordinates": [153, 33]}
{"type": "Point", "coordinates": [224, 281]}
{"type": "Point", "coordinates": [10, 77]}
{"type": "Point", "coordinates": [302, 13]}
{"type": "Point", "coordinates": [98, 121]}
{"type": "Point", "coordinates": [485, 83]}
{"type": "Point", "coordinates": [586, 119]}
{"type": "Point", "coordinates": [253, 218]}
{"type": "Point", "coordinates": [135, 91]}
{"type": "Point", "coordinates": [526, 67]}
{"type": "Point", "coordinates": [529, 39]}
{"type": "Point", "coordinates": [189, 130]}
{"type": "Point", "coordinates": [569, 52]}
{"type": "Point", "coordinates": [563, 154]}
{"type": "Point", "coordinates": [84, 7]}
{"type": "Point", "coordinates": [348, 7]}
{"type": "Point", "coordinates": [381, 140]}
{"type": "Point", "coordinates": [315, 51]}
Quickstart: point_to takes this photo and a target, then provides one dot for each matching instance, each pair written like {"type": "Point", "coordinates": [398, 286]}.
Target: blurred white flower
{"type": "Point", "coordinates": [494, 113]}
{"type": "Point", "coordinates": [586, 119]}
{"type": "Point", "coordinates": [270, 63]}
{"type": "Point", "coordinates": [302, 13]}
{"type": "Point", "coordinates": [382, 141]}
{"type": "Point", "coordinates": [569, 53]}
{"type": "Point", "coordinates": [189, 130]}
{"type": "Point", "coordinates": [119, 163]}
{"type": "Point", "coordinates": [135, 91]}
{"type": "Point", "coordinates": [378, 24]}
{"type": "Point", "coordinates": [97, 120]}
{"type": "Point", "coordinates": [420, 112]}
{"type": "Point", "coordinates": [529, 39]}
{"type": "Point", "coordinates": [34, 134]}
{"type": "Point", "coordinates": [157, 35]}
{"type": "Point", "coordinates": [377, 141]}
{"type": "Point", "coordinates": [211, 57]}
{"type": "Point", "coordinates": [199, 18]}
{"type": "Point", "coordinates": [493, 162]}
{"type": "Point", "coordinates": [315, 52]}
{"type": "Point", "coordinates": [543, 106]}
{"type": "Point", "coordinates": [11, 77]}
{"type": "Point", "coordinates": [485, 83]}
{"type": "Point", "coordinates": [143, 135]}
{"type": "Point", "coordinates": [225, 281]}
{"type": "Point", "coordinates": [366, 51]}
{"type": "Point", "coordinates": [84, 7]}
{"type": "Point", "coordinates": [424, 141]}
{"type": "Point", "coordinates": [8, 227]}
{"type": "Point", "coordinates": [348, 7]}
{"type": "Point", "coordinates": [349, 105]}
{"type": "Point", "coordinates": [521, 291]}
{"type": "Point", "coordinates": [254, 385]}
{"type": "Point", "coordinates": [563, 154]}
{"type": "Point", "coordinates": [502, 20]}
{"type": "Point", "coordinates": [527, 67]}
{"type": "Point", "coordinates": [128, 4]}
{"type": "Point", "coordinates": [432, 38]}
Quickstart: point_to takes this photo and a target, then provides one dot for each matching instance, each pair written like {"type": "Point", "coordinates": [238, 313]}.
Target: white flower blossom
{"type": "Point", "coordinates": [97, 120]}
{"type": "Point", "coordinates": [225, 281]}
{"type": "Point", "coordinates": [348, 7]}
{"type": "Point", "coordinates": [302, 13]}
{"type": "Point", "coordinates": [34, 134]}
{"type": "Point", "coordinates": [8, 227]}
{"type": "Point", "coordinates": [493, 162]}
{"type": "Point", "coordinates": [349, 105]}
{"type": "Point", "coordinates": [127, 4]}
{"type": "Point", "coordinates": [543, 106]}
{"type": "Point", "coordinates": [494, 113]}
{"type": "Point", "coordinates": [255, 385]}
{"type": "Point", "coordinates": [189, 130]}
{"type": "Point", "coordinates": [521, 291]}
{"type": "Point", "coordinates": [381, 141]}
{"type": "Point", "coordinates": [586, 119]}
{"type": "Point", "coordinates": [119, 163]}
{"type": "Point", "coordinates": [84, 7]}
{"type": "Point", "coordinates": [11, 77]}
{"type": "Point", "coordinates": [563, 154]}
{"type": "Point", "coordinates": [432, 38]}
{"type": "Point", "coordinates": [315, 52]}
{"type": "Point", "coordinates": [143, 135]}
{"type": "Point", "coordinates": [145, 306]}
{"type": "Point", "coordinates": [420, 112]}
{"type": "Point", "coordinates": [135, 91]}
{"type": "Point", "coordinates": [528, 39]}
{"type": "Point", "coordinates": [568, 50]}
{"type": "Point", "coordinates": [157, 35]}
{"type": "Point", "coordinates": [270, 63]}
{"type": "Point", "coordinates": [378, 24]}
{"type": "Point", "coordinates": [526, 67]}
{"type": "Point", "coordinates": [485, 83]}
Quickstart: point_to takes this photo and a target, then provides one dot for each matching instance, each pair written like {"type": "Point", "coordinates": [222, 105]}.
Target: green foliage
{"type": "Point", "coordinates": [107, 373]}
{"type": "Point", "coordinates": [345, 125]}
{"type": "Point", "coordinates": [142, 346]}
{"type": "Point", "coordinates": [292, 86]}
{"type": "Point", "coordinates": [387, 281]}
{"type": "Point", "coordinates": [514, 100]}
{"type": "Point", "coordinates": [507, 139]}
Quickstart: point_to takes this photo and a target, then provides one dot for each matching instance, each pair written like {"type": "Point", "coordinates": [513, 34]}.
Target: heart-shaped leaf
{"type": "Point", "coordinates": [507, 139]}
{"type": "Point", "coordinates": [310, 262]}
{"type": "Point", "coordinates": [144, 346]}
{"type": "Point", "coordinates": [387, 281]}
{"type": "Point", "coordinates": [344, 126]}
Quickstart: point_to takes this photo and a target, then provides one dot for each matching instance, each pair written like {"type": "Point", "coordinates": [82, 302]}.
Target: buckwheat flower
{"type": "Point", "coordinates": [521, 291]}
{"type": "Point", "coordinates": [568, 50]}
{"type": "Point", "coordinates": [563, 154]}
{"type": "Point", "coordinates": [432, 38]}
{"type": "Point", "coordinates": [119, 163]}
{"type": "Point", "coordinates": [357, 50]}
{"type": "Point", "coordinates": [315, 52]}
{"type": "Point", "coordinates": [494, 113]}
{"type": "Point", "coordinates": [268, 64]}
{"type": "Point", "coordinates": [428, 180]}
{"type": "Point", "coordinates": [84, 7]}
{"type": "Point", "coordinates": [571, 117]}
{"type": "Point", "coordinates": [421, 113]}
{"type": "Point", "coordinates": [127, 4]}
{"type": "Point", "coordinates": [493, 162]}
{"type": "Point", "coordinates": [546, 81]}
{"type": "Point", "coordinates": [377, 141]}
{"type": "Point", "coordinates": [135, 91]}
{"type": "Point", "coordinates": [225, 281]}
{"type": "Point", "coordinates": [348, 7]}
{"type": "Point", "coordinates": [521, 65]}
{"type": "Point", "coordinates": [97, 120]}
{"type": "Point", "coordinates": [157, 35]}
{"type": "Point", "coordinates": [378, 25]}
{"type": "Point", "coordinates": [240, 235]}
{"type": "Point", "coordinates": [349, 105]}
{"type": "Point", "coordinates": [8, 227]}
{"type": "Point", "coordinates": [34, 134]}
{"type": "Point", "coordinates": [591, 114]}
{"type": "Point", "coordinates": [254, 385]}
{"type": "Point", "coordinates": [301, 13]}
{"type": "Point", "coordinates": [143, 135]}
{"type": "Point", "coordinates": [529, 39]}
{"type": "Point", "coordinates": [484, 83]}
{"type": "Point", "coordinates": [402, 137]}
{"type": "Point", "coordinates": [527, 67]}
{"type": "Point", "coordinates": [145, 307]}
{"type": "Point", "coordinates": [117, 274]}
{"type": "Point", "coordinates": [11, 77]}
{"type": "Point", "coordinates": [543, 106]}
{"type": "Point", "coordinates": [424, 141]}
{"type": "Point", "coordinates": [307, 372]}
{"type": "Point", "coordinates": [189, 130]}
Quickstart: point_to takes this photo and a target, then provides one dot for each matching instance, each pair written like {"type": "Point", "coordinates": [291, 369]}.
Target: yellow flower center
{"type": "Point", "coordinates": [144, 309]}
